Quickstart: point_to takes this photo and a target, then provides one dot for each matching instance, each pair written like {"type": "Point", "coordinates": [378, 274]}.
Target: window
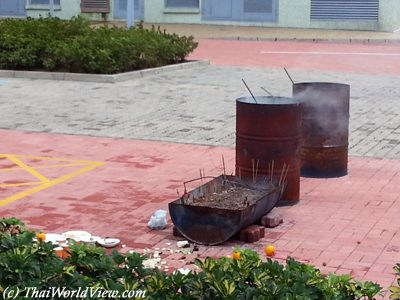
{"type": "Point", "coordinates": [182, 3]}
{"type": "Point", "coordinates": [43, 2]}
{"type": "Point", "coordinates": [257, 6]}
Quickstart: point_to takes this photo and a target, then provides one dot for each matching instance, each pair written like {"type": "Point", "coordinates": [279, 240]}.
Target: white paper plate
{"type": "Point", "coordinates": [54, 237]}
{"type": "Point", "coordinates": [78, 235]}
{"type": "Point", "coordinates": [108, 242]}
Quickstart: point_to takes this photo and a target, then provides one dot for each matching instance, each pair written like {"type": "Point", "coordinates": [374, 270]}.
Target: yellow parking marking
{"type": "Point", "coordinates": [44, 183]}
{"type": "Point", "coordinates": [27, 168]}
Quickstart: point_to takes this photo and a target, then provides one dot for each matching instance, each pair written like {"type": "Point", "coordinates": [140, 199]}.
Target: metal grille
{"type": "Point", "coordinates": [95, 6]}
{"type": "Point", "coordinates": [356, 10]}
{"type": "Point", "coordinates": [257, 6]}
{"type": "Point", "coordinates": [182, 3]}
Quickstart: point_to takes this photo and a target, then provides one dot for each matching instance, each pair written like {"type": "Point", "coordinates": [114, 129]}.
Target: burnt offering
{"type": "Point", "coordinates": [229, 195]}
{"type": "Point", "coordinates": [215, 211]}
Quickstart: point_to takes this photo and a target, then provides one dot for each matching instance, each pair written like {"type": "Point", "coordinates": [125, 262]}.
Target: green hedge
{"type": "Point", "coordinates": [24, 263]}
{"type": "Point", "coordinates": [52, 44]}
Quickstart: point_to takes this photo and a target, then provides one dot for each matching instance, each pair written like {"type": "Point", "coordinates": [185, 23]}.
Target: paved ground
{"type": "Point", "coordinates": [251, 32]}
{"type": "Point", "coordinates": [347, 225]}
{"type": "Point", "coordinates": [192, 106]}
{"type": "Point", "coordinates": [327, 56]}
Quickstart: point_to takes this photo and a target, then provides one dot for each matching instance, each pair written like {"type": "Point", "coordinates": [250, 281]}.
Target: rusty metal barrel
{"type": "Point", "coordinates": [325, 128]}
{"type": "Point", "coordinates": [267, 132]}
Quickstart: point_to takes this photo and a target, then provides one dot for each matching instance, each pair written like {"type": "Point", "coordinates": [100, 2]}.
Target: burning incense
{"type": "Point", "coordinates": [223, 166]}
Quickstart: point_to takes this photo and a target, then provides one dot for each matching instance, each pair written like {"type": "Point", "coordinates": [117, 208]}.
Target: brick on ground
{"type": "Point", "coordinates": [251, 233]}
{"type": "Point", "coordinates": [271, 219]}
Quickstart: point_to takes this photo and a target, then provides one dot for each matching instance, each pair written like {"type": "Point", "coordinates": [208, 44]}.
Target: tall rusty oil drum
{"type": "Point", "coordinates": [325, 128]}
{"type": "Point", "coordinates": [269, 131]}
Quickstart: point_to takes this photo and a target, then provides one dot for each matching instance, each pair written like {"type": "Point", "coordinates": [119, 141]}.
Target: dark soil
{"type": "Point", "coordinates": [226, 196]}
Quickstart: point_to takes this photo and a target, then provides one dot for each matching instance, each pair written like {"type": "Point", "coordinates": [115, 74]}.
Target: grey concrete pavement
{"type": "Point", "coordinates": [191, 106]}
{"type": "Point", "coordinates": [271, 33]}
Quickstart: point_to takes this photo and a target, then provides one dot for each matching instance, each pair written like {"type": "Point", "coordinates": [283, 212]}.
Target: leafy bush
{"type": "Point", "coordinates": [52, 44]}
{"type": "Point", "coordinates": [396, 289]}
{"type": "Point", "coordinates": [24, 263]}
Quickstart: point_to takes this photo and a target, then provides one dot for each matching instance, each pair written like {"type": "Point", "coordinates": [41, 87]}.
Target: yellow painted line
{"type": "Point", "coordinates": [27, 168]}
{"type": "Point", "coordinates": [45, 167]}
{"type": "Point", "coordinates": [49, 184]}
{"type": "Point", "coordinates": [19, 184]}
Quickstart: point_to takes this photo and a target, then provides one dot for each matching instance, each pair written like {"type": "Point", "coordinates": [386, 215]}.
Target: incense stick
{"type": "Point", "coordinates": [272, 170]}
{"type": "Point", "coordinates": [223, 165]}
{"type": "Point", "coordinates": [282, 172]}
{"type": "Point", "coordinates": [252, 168]}
{"type": "Point", "coordinates": [257, 169]}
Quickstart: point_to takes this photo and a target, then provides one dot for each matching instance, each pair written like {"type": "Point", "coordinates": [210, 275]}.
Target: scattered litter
{"type": "Point", "coordinates": [108, 242]}
{"type": "Point", "coordinates": [158, 220]}
{"type": "Point", "coordinates": [183, 271]}
{"type": "Point", "coordinates": [123, 246]}
{"type": "Point", "coordinates": [183, 244]}
{"type": "Point", "coordinates": [168, 244]}
{"type": "Point", "coordinates": [151, 263]}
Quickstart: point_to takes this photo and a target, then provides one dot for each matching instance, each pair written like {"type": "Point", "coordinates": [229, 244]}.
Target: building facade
{"type": "Point", "coordinates": [379, 15]}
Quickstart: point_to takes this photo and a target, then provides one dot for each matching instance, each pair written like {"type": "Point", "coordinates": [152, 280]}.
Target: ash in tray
{"type": "Point", "coordinates": [226, 194]}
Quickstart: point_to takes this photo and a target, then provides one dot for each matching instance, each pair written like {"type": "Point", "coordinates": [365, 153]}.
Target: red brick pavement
{"type": "Point", "coordinates": [343, 225]}
{"type": "Point", "coordinates": [341, 57]}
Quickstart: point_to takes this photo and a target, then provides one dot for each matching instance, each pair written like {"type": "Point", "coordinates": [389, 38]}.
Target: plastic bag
{"type": "Point", "coordinates": [158, 220]}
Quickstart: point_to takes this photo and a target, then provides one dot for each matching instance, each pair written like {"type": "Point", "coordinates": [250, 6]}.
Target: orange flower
{"type": "Point", "coordinates": [236, 255]}
{"type": "Point", "coordinates": [41, 237]}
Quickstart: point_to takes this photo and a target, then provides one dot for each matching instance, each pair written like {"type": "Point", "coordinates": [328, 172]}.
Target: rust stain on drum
{"type": "Point", "coordinates": [269, 131]}
{"type": "Point", "coordinates": [325, 128]}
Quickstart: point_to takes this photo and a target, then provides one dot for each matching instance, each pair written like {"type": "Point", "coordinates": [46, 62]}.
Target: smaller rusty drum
{"type": "Point", "coordinates": [325, 128]}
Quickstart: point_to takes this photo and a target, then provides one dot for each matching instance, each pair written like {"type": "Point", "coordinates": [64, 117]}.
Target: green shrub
{"type": "Point", "coordinates": [52, 44]}
{"type": "Point", "coordinates": [25, 263]}
{"type": "Point", "coordinates": [395, 290]}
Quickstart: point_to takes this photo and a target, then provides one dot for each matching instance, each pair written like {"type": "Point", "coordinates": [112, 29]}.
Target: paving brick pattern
{"type": "Point", "coordinates": [344, 225]}
{"type": "Point", "coordinates": [192, 106]}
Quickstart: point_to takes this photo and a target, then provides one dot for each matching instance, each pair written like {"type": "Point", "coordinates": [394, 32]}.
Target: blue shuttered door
{"type": "Point", "coordinates": [12, 7]}
{"type": "Point", "coordinates": [217, 10]}
{"type": "Point", "coordinates": [352, 10]}
{"type": "Point", "coordinates": [120, 9]}
{"type": "Point", "coordinates": [240, 10]}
